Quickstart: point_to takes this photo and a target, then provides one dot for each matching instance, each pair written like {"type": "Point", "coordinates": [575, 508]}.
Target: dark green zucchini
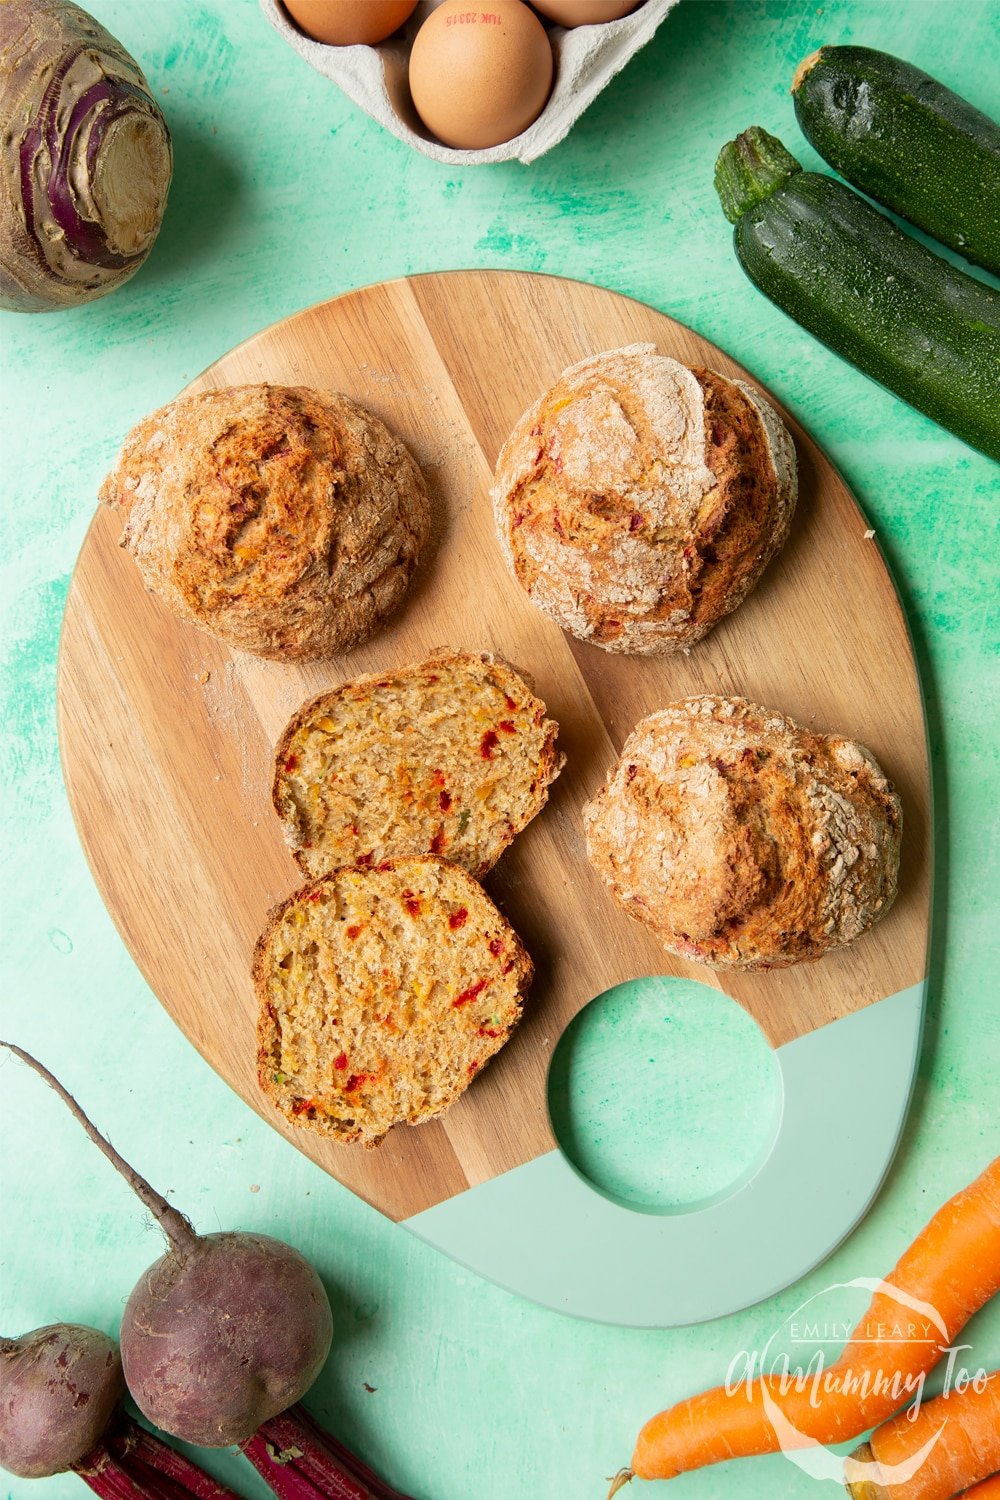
{"type": "Point", "coordinates": [904, 316]}
{"type": "Point", "coordinates": [907, 141]}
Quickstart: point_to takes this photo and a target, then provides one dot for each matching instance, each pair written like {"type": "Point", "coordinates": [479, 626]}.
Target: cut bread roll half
{"type": "Point", "coordinates": [383, 993]}
{"type": "Point", "coordinates": [451, 756]}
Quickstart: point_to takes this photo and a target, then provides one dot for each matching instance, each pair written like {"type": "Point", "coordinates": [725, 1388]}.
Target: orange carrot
{"type": "Point", "coordinates": [967, 1450]}
{"type": "Point", "coordinates": [988, 1490]}
{"type": "Point", "coordinates": [953, 1265]}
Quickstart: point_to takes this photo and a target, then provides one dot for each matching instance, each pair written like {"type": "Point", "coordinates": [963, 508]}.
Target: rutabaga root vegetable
{"type": "Point", "coordinates": [222, 1332]}
{"type": "Point", "coordinates": [58, 1388]}
{"type": "Point", "coordinates": [85, 158]}
{"type": "Point", "coordinates": [59, 1392]}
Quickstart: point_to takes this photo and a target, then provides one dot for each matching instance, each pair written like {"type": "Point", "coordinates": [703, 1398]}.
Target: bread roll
{"type": "Point", "coordinates": [382, 994]}
{"type": "Point", "coordinates": [451, 756]}
{"type": "Point", "coordinates": [285, 521]}
{"type": "Point", "coordinates": [638, 502]}
{"type": "Point", "coordinates": [742, 839]}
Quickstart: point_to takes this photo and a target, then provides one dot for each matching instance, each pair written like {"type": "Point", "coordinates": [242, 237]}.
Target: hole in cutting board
{"type": "Point", "coordinates": [665, 1095]}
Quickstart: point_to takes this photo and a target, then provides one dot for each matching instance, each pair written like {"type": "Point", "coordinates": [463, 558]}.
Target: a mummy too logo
{"type": "Point", "coordinates": [820, 1362]}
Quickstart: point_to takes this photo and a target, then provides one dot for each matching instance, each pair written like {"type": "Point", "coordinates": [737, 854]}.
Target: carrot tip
{"type": "Point", "coordinates": [619, 1482]}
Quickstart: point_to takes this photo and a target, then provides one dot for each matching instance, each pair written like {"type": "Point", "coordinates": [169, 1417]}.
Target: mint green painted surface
{"type": "Point", "coordinates": [284, 195]}
{"type": "Point", "coordinates": [664, 1094]}
{"type": "Point", "coordinates": [543, 1231]}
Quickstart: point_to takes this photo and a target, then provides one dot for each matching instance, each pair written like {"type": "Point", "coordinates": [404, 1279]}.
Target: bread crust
{"type": "Point", "coordinates": [419, 978]}
{"type": "Point", "coordinates": [637, 501]}
{"type": "Point", "coordinates": [422, 791]}
{"type": "Point", "coordinates": [285, 521]}
{"type": "Point", "coordinates": [742, 839]}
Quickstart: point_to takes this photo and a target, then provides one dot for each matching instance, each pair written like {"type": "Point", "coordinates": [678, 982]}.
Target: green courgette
{"type": "Point", "coordinates": [904, 316]}
{"type": "Point", "coordinates": [907, 141]}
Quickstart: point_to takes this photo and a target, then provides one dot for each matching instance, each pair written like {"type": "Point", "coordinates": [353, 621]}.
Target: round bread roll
{"type": "Point", "coordinates": [286, 521]}
{"type": "Point", "coordinates": [744, 840]}
{"type": "Point", "coordinates": [638, 502]}
{"type": "Point", "coordinates": [382, 994]}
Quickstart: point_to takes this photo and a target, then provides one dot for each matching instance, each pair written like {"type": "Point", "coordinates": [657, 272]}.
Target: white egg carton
{"type": "Point", "coordinates": [375, 78]}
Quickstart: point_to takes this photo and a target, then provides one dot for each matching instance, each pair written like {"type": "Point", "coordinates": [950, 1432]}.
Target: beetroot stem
{"type": "Point", "coordinates": [173, 1223]}
{"type": "Point", "coordinates": [129, 1463]}
{"type": "Point", "coordinates": [302, 1462]}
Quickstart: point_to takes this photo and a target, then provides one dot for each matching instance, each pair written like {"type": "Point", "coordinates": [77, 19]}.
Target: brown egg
{"type": "Point", "coordinates": [480, 71]}
{"type": "Point", "coordinates": [344, 23]}
{"type": "Point", "coordinates": [584, 12]}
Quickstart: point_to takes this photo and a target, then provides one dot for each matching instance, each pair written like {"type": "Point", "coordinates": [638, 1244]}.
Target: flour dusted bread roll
{"type": "Point", "coordinates": [452, 756]}
{"type": "Point", "coordinates": [382, 994]}
{"type": "Point", "coordinates": [744, 840]}
{"type": "Point", "coordinates": [286, 521]}
{"type": "Point", "coordinates": [638, 501]}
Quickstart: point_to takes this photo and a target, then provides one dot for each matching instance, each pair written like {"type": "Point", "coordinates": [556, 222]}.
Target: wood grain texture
{"type": "Point", "coordinates": [166, 735]}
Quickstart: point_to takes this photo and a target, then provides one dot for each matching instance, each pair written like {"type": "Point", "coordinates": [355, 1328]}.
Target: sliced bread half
{"type": "Point", "coordinates": [450, 756]}
{"type": "Point", "coordinates": [383, 992]}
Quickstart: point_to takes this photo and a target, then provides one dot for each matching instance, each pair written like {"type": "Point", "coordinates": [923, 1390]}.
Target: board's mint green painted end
{"type": "Point", "coordinates": [541, 1230]}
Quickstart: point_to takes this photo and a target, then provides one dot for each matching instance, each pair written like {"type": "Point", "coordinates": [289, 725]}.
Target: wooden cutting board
{"type": "Point", "coordinates": [167, 735]}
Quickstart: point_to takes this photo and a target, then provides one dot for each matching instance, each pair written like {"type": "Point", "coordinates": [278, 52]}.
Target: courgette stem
{"type": "Point", "coordinates": [750, 169]}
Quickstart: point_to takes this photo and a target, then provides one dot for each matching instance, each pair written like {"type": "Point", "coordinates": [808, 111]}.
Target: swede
{"type": "Point", "coordinates": [85, 158]}
{"type": "Point", "coordinates": [222, 1332]}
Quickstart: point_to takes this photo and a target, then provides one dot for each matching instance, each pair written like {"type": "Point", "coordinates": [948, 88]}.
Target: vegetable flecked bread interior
{"type": "Point", "coordinates": [451, 756]}
{"type": "Point", "coordinates": [383, 992]}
